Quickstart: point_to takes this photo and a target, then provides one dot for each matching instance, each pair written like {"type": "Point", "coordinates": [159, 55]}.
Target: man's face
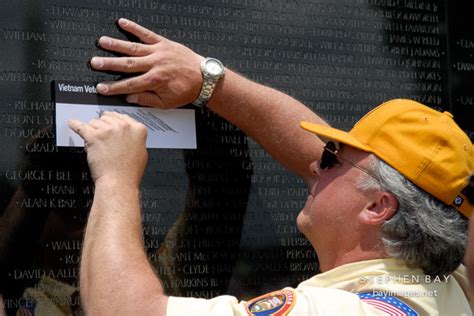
{"type": "Point", "coordinates": [334, 201]}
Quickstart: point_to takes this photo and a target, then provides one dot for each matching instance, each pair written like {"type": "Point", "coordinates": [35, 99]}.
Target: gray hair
{"type": "Point", "coordinates": [424, 232]}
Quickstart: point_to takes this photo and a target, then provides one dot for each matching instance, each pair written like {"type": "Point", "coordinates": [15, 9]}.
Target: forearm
{"type": "Point", "coordinates": [271, 118]}
{"type": "Point", "coordinates": [115, 274]}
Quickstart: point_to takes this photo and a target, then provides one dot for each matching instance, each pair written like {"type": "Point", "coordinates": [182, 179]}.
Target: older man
{"type": "Point", "coordinates": [386, 210]}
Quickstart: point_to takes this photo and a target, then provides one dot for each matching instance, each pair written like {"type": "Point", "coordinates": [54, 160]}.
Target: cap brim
{"type": "Point", "coordinates": [331, 133]}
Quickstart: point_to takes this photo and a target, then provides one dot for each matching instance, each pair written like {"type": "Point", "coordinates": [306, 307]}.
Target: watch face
{"type": "Point", "coordinates": [213, 67]}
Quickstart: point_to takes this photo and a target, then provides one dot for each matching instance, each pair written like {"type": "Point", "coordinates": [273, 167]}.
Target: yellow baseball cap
{"type": "Point", "coordinates": [423, 144]}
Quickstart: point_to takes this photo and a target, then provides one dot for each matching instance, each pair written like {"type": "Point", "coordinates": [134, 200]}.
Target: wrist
{"type": "Point", "coordinates": [116, 182]}
{"type": "Point", "coordinates": [212, 71]}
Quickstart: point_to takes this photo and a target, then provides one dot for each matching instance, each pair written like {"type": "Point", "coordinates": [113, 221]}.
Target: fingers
{"type": "Point", "coordinates": [120, 64]}
{"type": "Point", "coordinates": [96, 123]}
{"type": "Point", "coordinates": [124, 47]}
{"type": "Point", "coordinates": [80, 128]}
{"type": "Point", "coordinates": [127, 86]}
{"type": "Point", "coordinates": [115, 117]}
{"type": "Point", "coordinates": [127, 64]}
{"type": "Point", "coordinates": [144, 34]}
{"type": "Point", "coordinates": [85, 130]}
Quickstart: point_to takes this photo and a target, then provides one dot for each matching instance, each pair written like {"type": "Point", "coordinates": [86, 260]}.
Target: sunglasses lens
{"type": "Point", "coordinates": [328, 158]}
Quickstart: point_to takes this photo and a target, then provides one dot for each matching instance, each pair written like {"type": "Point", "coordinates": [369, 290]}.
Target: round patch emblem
{"type": "Point", "coordinates": [277, 303]}
{"type": "Point", "coordinates": [458, 201]}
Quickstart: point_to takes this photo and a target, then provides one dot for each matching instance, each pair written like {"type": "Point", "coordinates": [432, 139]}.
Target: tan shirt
{"type": "Point", "coordinates": [50, 297]}
{"type": "Point", "coordinates": [374, 287]}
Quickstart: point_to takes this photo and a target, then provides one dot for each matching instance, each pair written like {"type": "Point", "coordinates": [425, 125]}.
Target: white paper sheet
{"type": "Point", "coordinates": [174, 128]}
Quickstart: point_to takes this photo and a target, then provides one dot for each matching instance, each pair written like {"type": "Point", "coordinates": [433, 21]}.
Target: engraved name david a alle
{"type": "Point", "coordinates": [77, 88]}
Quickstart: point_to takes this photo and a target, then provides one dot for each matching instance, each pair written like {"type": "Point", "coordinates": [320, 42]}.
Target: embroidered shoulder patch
{"type": "Point", "coordinates": [278, 303]}
{"type": "Point", "coordinates": [388, 304]}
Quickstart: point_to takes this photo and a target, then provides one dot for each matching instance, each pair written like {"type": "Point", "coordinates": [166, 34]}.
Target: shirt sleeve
{"type": "Point", "coordinates": [317, 301]}
{"type": "Point", "coordinates": [218, 306]}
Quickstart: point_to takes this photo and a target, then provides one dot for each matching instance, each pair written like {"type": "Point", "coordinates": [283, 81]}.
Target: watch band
{"type": "Point", "coordinates": [209, 80]}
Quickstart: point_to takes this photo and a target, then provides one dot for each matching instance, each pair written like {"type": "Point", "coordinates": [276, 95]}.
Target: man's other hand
{"type": "Point", "coordinates": [115, 146]}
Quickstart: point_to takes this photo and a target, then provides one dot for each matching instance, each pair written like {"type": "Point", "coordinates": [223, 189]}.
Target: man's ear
{"type": "Point", "coordinates": [379, 209]}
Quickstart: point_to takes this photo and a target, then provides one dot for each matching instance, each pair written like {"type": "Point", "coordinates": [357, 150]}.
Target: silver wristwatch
{"type": "Point", "coordinates": [212, 70]}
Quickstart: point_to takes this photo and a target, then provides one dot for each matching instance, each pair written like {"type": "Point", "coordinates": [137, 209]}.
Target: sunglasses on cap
{"type": "Point", "coordinates": [329, 158]}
